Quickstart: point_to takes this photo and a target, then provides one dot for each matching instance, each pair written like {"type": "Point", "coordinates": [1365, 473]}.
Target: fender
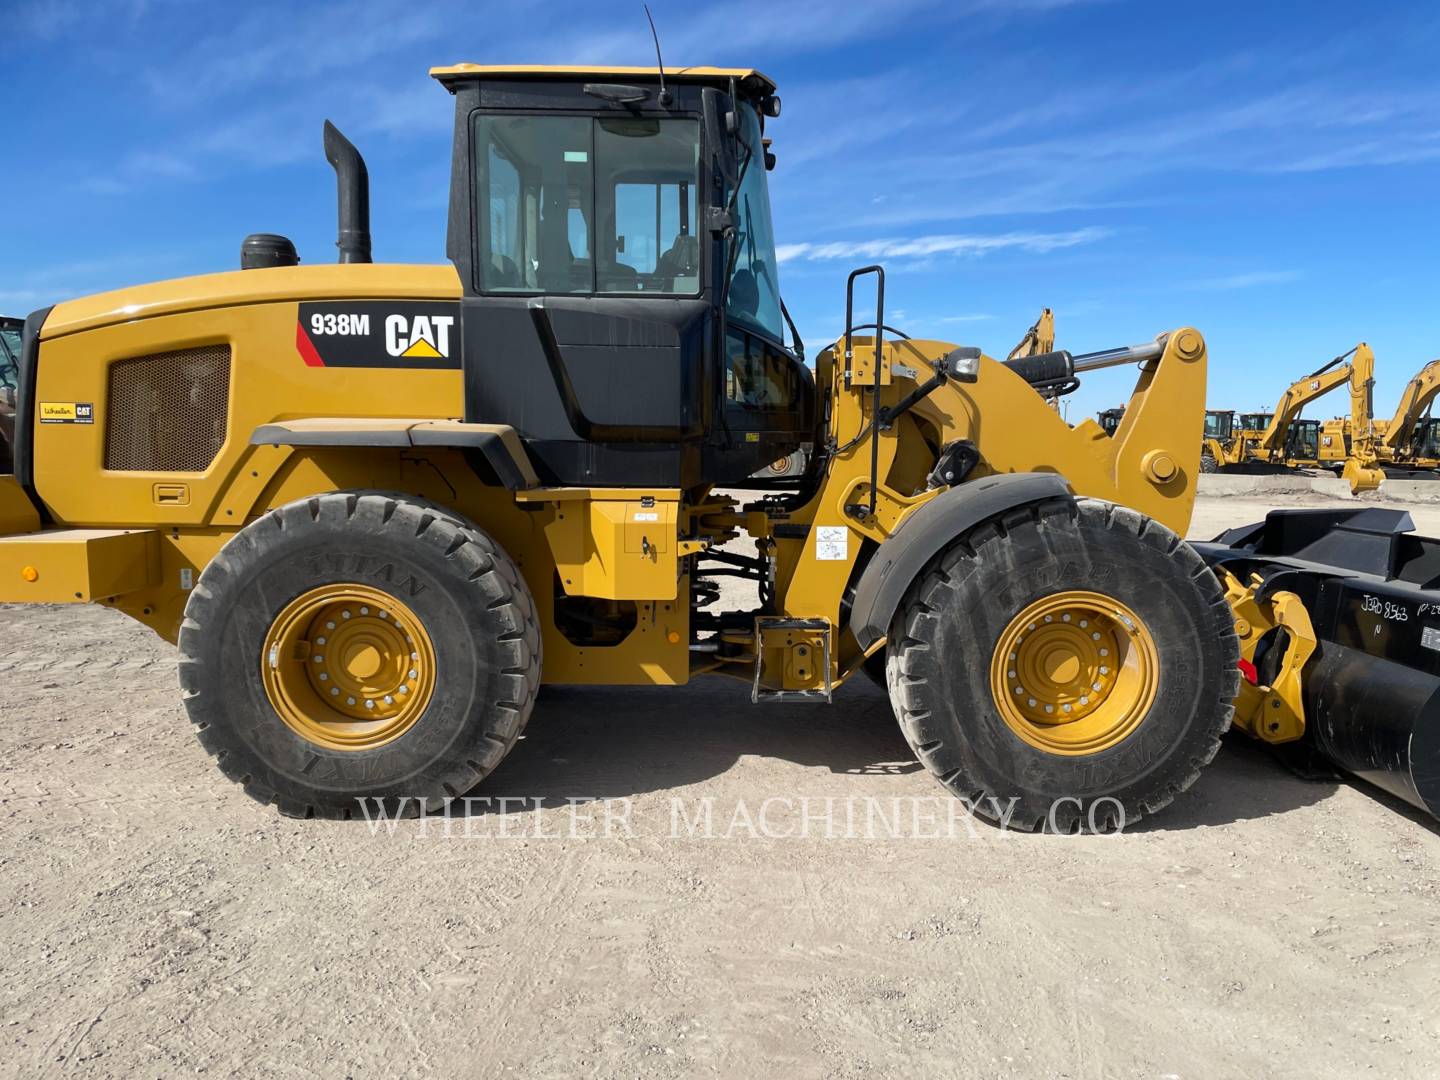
{"type": "Point", "coordinates": [498, 444]}
{"type": "Point", "coordinates": [926, 532]}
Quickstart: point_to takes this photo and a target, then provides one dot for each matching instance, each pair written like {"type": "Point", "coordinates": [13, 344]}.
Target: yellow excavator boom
{"type": "Point", "coordinates": [1301, 393]}
{"type": "Point", "coordinates": [1419, 392]}
{"type": "Point", "coordinates": [1040, 338]}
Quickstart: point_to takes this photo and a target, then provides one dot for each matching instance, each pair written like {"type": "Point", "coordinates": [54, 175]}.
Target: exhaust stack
{"type": "Point", "coordinates": [352, 182]}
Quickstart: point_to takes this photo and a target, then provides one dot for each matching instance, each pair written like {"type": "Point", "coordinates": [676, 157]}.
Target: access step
{"type": "Point", "coordinates": [792, 660]}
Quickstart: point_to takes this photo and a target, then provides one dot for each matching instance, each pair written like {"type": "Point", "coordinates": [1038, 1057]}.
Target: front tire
{"type": "Point", "coordinates": [1071, 665]}
{"type": "Point", "coordinates": [359, 646]}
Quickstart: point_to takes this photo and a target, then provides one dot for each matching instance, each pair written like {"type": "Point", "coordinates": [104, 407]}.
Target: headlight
{"type": "Point", "coordinates": [963, 364]}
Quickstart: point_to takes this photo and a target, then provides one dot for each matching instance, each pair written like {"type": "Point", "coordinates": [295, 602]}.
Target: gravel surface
{"type": "Point", "coordinates": [154, 921]}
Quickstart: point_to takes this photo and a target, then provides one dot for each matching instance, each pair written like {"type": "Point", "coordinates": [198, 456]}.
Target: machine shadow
{"type": "Point", "coordinates": [1244, 782]}
{"type": "Point", "coordinates": [587, 742]}
{"type": "Point", "coordinates": [617, 742]}
{"type": "Point", "coordinates": [596, 742]}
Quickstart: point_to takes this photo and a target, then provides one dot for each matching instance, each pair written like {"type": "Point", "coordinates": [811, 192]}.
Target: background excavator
{"type": "Point", "coordinates": [1369, 450]}
{"type": "Point", "coordinates": [1410, 437]}
{"type": "Point", "coordinates": [1285, 441]}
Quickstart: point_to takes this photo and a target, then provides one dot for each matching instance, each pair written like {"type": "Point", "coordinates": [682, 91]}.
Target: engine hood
{"type": "Point", "coordinates": [358, 281]}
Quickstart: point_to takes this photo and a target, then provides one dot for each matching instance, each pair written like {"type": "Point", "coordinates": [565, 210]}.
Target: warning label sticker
{"type": "Point", "coordinates": [832, 543]}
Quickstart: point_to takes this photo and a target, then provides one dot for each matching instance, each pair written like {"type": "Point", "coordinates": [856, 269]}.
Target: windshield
{"type": "Point", "coordinates": [754, 296]}
{"type": "Point", "coordinates": [1426, 442]}
{"type": "Point", "coordinates": [571, 204]}
{"type": "Point", "coordinates": [1255, 421]}
{"type": "Point", "coordinates": [1304, 439]}
{"type": "Point", "coordinates": [1217, 425]}
{"type": "Point", "coordinates": [9, 356]}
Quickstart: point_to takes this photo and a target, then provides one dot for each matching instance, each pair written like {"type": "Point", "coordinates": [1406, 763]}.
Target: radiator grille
{"type": "Point", "coordinates": [167, 411]}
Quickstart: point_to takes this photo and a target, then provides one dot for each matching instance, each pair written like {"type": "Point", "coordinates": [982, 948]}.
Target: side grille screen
{"type": "Point", "coordinates": [167, 411]}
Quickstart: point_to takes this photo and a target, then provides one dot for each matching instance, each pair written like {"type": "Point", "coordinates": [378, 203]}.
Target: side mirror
{"type": "Point", "coordinates": [963, 364]}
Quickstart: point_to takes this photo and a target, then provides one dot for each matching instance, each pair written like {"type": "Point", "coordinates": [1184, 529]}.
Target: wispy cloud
{"type": "Point", "coordinates": [1249, 280]}
{"type": "Point", "coordinates": [921, 247]}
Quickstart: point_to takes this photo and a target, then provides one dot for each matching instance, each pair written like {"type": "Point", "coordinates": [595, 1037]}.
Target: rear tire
{"type": "Point", "coordinates": [451, 592]}
{"type": "Point", "coordinates": [1208, 464]}
{"type": "Point", "coordinates": [1150, 598]}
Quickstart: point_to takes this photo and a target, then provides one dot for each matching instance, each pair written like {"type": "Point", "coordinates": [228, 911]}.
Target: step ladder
{"type": "Point", "coordinates": [799, 653]}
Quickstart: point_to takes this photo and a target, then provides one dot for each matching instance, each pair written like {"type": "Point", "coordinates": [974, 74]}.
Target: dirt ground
{"type": "Point", "coordinates": [154, 921]}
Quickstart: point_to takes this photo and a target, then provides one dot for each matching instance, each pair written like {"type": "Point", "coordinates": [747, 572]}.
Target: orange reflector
{"type": "Point", "coordinates": [30, 574]}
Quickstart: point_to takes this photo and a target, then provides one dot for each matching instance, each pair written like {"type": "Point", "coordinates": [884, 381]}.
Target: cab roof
{"type": "Point", "coordinates": [751, 79]}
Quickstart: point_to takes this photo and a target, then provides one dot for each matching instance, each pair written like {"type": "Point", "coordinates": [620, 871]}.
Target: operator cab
{"type": "Point", "coordinates": [1255, 421]}
{"type": "Point", "coordinates": [612, 233]}
{"type": "Point", "coordinates": [1219, 423]}
{"type": "Point", "coordinates": [1302, 441]}
{"type": "Point", "coordinates": [1425, 438]}
{"type": "Point", "coordinates": [1109, 420]}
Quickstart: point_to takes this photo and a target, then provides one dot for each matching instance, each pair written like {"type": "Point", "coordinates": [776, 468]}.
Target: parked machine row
{"type": "Point", "coordinates": [1360, 447]}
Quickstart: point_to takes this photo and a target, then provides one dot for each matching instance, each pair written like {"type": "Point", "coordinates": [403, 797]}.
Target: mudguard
{"type": "Point", "coordinates": [498, 445]}
{"type": "Point", "coordinates": [927, 532]}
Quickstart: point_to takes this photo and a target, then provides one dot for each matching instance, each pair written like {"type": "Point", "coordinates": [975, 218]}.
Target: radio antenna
{"type": "Point", "coordinates": [664, 94]}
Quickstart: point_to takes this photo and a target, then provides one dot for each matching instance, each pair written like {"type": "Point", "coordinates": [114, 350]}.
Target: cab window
{"type": "Point", "coordinates": [1217, 425]}
{"type": "Point", "coordinates": [646, 186]}
{"type": "Point", "coordinates": [754, 295]}
{"type": "Point", "coordinates": [573, 204]}
{"type": "Point", "coordinates": [759, 375]}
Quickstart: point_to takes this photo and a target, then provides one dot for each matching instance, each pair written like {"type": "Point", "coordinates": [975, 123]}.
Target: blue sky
{"type": "Point", "coordinates": [1136, 166]}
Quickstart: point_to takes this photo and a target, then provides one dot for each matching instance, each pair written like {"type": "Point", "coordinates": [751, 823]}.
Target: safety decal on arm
{"type": "Point", "coordinates": [422, 334]}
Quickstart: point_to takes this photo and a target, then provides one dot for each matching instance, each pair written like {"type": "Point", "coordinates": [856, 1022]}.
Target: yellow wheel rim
{"type": "Point", "coordinates": [348, 667]}
{"type": "Point", "coordinates": [1074, 673]}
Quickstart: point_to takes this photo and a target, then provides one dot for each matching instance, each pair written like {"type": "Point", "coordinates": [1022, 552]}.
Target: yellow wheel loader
{"type": "Point", "coordinates": [378, 506]}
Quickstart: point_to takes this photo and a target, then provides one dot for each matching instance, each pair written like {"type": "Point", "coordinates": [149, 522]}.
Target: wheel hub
{"type": "Point", "coordinates": [348, 667]}
{"type": "Point", "coordinates": [1074, 673]}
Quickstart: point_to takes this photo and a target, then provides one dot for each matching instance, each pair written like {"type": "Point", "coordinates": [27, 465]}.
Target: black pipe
{"type": "Point", "coordinates": [1377, 719]}
{"type": "Point", "coordinates": [352, 182]}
